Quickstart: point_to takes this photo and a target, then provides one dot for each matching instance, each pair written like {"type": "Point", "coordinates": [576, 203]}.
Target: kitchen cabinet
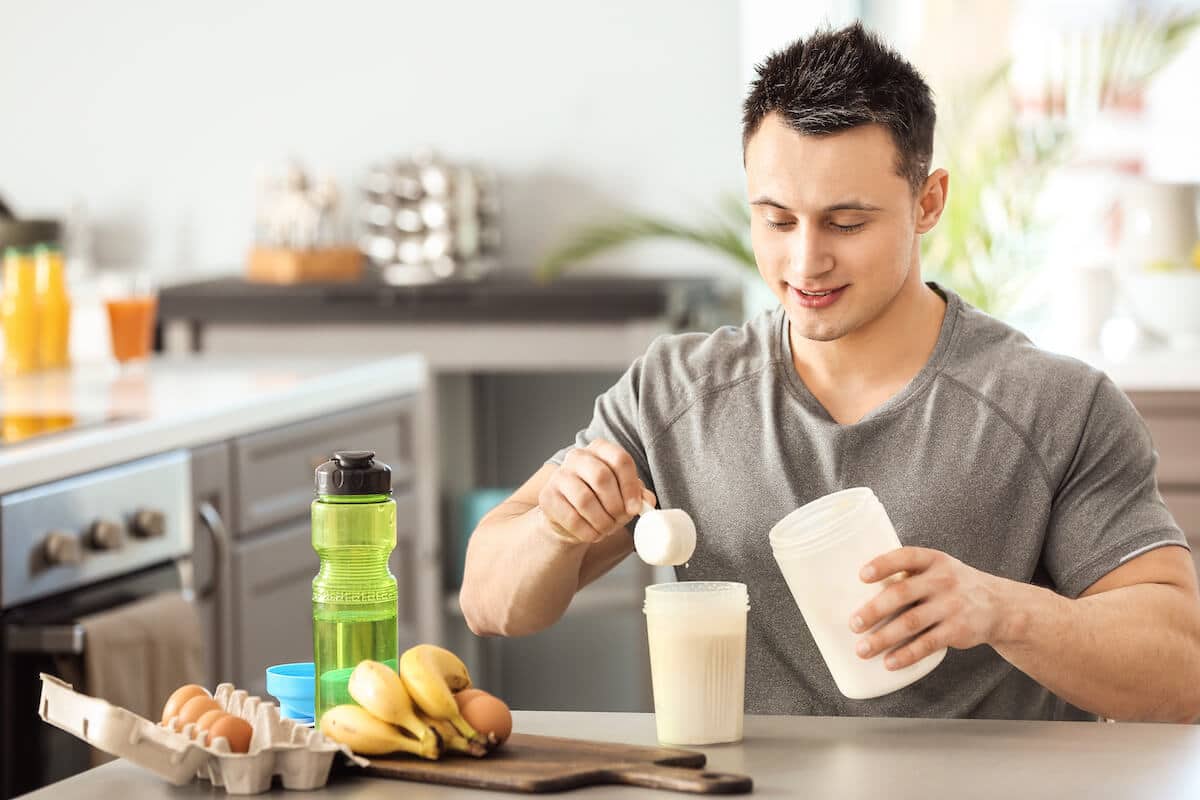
{"type": "Point", "coordinates": [274, 468]}
{"type": "Point", "coordinates": [1173, 419]}
{"type": "Point", "coordinates": [272, 624]}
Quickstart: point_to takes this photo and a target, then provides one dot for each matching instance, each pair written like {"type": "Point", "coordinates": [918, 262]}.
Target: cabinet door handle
{"type": "Point", "coordinates": [220, 536]}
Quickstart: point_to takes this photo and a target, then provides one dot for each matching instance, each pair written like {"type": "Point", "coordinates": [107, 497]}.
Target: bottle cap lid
{"type": "Point", "coordinates": [354, 472]}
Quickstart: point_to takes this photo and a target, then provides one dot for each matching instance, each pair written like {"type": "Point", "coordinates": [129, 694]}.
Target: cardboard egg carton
{"type": "Point", "coordinates": [299, 755]}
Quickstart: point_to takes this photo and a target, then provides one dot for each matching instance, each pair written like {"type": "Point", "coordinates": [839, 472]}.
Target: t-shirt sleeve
{"type": "Point", "coordinates": [1107, 509]}
{"type": "Point", "coordinates": [616, 419]}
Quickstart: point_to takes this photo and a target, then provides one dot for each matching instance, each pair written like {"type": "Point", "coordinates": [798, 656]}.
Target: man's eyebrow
{"type": "Point", "coordinates": [852, 205]}
{"type": "Point", "coordinates": [763, 200]}
{"type": "Point", "coordinates": [848, 205]}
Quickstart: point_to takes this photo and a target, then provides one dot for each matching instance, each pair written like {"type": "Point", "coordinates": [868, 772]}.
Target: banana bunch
{"type": "Point", "coordinates": [413, 712]}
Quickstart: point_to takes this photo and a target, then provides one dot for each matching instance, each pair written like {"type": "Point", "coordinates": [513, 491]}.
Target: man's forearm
{"type": "Point", "coordinates": [1130, 654]}
{"type": "Point", "coordinates": [518, 578]}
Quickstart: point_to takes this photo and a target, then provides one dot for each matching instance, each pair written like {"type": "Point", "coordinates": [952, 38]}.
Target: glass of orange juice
{"type": "Point", "coordinates": [131, 300]}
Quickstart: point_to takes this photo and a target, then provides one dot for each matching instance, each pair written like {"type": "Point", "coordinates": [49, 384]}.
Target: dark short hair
{"type": "Point", "coordinates": [840, 79]}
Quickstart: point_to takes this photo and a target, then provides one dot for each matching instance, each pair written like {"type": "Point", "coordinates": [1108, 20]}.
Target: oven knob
{"type": "Point", "coordinates": [104, 535]}
{"type": "Point", "coordinates": [60, 548]}
{"type": "Point", "coordinates": [148, 522]}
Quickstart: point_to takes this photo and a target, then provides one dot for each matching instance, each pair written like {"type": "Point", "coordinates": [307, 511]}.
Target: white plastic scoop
{"type": "Point", "coordinates": [664, 538]}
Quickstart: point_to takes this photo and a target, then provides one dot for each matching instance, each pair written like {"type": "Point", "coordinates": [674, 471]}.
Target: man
{"type": "Point", "coordinates": [1022, 483]}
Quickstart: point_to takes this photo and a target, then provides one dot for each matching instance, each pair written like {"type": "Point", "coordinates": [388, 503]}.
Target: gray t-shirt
{"type": "Point", "coordinates": [1018, 462]}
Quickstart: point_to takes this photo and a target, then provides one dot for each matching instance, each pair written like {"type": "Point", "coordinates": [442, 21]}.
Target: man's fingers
{"type": "Point", "coordinates": [903, 628]}
{"type": "Point", "coordinates": [891, 600]}
{"type": "Point", "coordinates": [584, 499]}
{"type": "Point", "coordinates": [929, 642]}
{"type": "Point", "coordinates": [904, 559]}
{"type": "Point", "coordinates": [599, 476]}
{"type": "Point", "coordinates": [626, 471]}
{"type": "Point", "coordinates": [564, 520]}
{"type": "Point", "coordinates": [649, 497]}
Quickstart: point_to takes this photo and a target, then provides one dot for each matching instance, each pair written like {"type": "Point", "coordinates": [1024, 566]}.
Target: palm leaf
{"type": "Point", "coordinates": [727, 232]}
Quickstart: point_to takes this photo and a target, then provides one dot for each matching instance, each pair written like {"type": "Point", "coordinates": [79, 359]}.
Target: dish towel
{"type": "Point", "coordinates": [135, 655]}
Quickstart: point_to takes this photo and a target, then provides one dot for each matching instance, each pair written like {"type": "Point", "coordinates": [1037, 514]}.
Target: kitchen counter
{"type": "Point", "coordinates": [824, 757]}
{"type": "Point", "coordinates": [178, 401]}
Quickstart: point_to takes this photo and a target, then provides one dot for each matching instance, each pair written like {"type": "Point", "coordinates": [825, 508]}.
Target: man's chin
{"type": "Point", "coordinates": [821, 336]}
{"type": "Point", "coordinates": [816, 330]}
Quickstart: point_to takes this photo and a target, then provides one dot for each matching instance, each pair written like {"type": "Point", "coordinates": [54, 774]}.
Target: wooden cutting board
{"type": "Point", "coordinates": [528, 763]}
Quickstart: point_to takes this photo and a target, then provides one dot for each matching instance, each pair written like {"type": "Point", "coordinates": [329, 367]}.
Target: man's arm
{"type": "Point", "coordinates": [560, 531]}
{"type": "Point", "coordinates": [1128, 648]}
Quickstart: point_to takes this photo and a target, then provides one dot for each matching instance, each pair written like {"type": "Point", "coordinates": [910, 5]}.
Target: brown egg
{"type": "Point", "coordinates": [234, 729]}
{"type": "Point", "coordinates": [206, 721]}
{"type": "Point", "coordinates": [466, 694]}
{"type": "Point", "coordinates": [194, 709]}
{"type": "Point", "coordinates": [181, 696]}
{"type": "Point", "coordinates": [489, 715]}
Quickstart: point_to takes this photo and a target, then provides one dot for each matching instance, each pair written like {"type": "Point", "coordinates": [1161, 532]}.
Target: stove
{"type": "Point", "coordinates": [70, 548]}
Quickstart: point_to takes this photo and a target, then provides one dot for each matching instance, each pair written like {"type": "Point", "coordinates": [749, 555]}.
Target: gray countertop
{"type": "Point", "coordinates": [826, 757]}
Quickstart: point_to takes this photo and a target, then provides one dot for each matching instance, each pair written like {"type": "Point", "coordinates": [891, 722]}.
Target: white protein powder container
{"type": "Point", "coordinates": [820, 548]}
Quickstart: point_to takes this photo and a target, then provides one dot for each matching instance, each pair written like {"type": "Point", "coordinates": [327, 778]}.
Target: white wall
{"type": "Point", "coordinates": [155, 114]}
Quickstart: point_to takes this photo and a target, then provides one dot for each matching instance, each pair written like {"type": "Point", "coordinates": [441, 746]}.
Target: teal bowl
{"type": "Point", "coordinates": [293, 686]}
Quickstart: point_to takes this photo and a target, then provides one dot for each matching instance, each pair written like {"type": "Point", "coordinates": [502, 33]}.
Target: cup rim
{"type": "Point", "coordinates": [706, 596]}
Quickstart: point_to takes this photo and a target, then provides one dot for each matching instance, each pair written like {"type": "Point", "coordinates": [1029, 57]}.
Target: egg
{"type": "Point", "coordinates": [206, 721]}
{"type": "Point", "coordinates": [467, 694]}
{"type": "Point", "coordinates": [487, 714]}
{"type": "Point", "coordinates": [235, 730]}
{"type": "Point", "coordinates": [181, 696]}
{"type": "Point", "coordinates": [193, 709]}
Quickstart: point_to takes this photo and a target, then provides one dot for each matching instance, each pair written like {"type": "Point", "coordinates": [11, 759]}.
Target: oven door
{"type": "Point", "coordinates": [42, 636]}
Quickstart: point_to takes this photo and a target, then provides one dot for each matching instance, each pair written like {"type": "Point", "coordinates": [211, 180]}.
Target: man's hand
{"type": "Point", "coordinates": [952, 605]}
{"type": "Point", "coordinates": [594, 493]}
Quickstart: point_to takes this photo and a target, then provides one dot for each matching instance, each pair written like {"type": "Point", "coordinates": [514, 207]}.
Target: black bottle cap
{"type": "Point", "coordinates": [354, 472]}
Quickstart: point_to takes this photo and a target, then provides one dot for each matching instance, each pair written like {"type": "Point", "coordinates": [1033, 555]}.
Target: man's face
{"type": "Point", "coordinates": [830, 214]}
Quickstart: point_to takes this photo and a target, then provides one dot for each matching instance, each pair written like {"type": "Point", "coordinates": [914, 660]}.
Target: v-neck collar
{"type": "Point", "coordinates": [897, 401]}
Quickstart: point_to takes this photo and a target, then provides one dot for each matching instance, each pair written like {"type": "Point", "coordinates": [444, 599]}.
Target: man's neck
{"type": "Point", "coordinates": [857, 372]}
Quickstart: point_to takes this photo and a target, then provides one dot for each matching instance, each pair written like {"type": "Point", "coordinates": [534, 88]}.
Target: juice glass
{"type": "Point", "coordinates": [131, 301]}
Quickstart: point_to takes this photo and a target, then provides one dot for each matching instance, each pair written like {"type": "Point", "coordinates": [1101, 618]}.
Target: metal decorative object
{"type": "Point", "coordinates": [425, 220]}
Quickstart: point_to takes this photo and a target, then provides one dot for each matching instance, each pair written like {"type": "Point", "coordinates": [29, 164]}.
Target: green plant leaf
{"type": "Point", "coordinates": [728, 232]}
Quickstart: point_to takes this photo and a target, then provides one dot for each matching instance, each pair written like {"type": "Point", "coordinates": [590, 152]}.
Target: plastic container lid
{"type": "Point", "coordinates": [689, 597]}
{"type": "Point", "coordinates": [353, 472]}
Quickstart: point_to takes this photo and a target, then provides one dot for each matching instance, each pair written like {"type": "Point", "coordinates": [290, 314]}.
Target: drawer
{"type": "Point", "coordinates": [1185, 506]}
{"type": "Point", "coordinates": [272, 592]}
{"type": "Point", "coordinates": [273, 470]}
{"type": "Point", "coordinates": [1174, 422]}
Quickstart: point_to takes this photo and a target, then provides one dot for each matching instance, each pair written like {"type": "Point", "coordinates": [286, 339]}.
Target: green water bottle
{"type": "Point", "coordinates": [354, 593]}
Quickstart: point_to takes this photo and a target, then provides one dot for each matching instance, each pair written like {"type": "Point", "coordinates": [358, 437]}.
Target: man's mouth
{"type": "Point", "coordinates": [816, 298]}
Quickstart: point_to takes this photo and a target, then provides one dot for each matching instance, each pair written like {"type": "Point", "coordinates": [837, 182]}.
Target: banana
{"type": "Point", "coordinates": [378, 689]}
{"type": "Point", "coordinates": [432, 674]}
{"type": "Point", "coordinates": [354, 726]}
{"type": "Point", "coordinates": [453, 740]}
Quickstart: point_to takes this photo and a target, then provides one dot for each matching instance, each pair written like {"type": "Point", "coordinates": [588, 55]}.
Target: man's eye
{"type": "Point", "coordinates": [848, 228]}
{"type": "Point", "coordinates": [777, 226]}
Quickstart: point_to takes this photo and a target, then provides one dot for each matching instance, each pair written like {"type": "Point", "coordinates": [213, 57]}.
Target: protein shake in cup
{"type": "Point", "coordinates": [697, 634]}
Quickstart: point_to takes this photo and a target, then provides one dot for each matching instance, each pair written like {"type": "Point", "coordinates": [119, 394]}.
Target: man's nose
{"type": "Point", "coordinates": [810, 255]}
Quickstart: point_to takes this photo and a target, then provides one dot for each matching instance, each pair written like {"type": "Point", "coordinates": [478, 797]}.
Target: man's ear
{"type": "Point", "coordinates": [931, 202]}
